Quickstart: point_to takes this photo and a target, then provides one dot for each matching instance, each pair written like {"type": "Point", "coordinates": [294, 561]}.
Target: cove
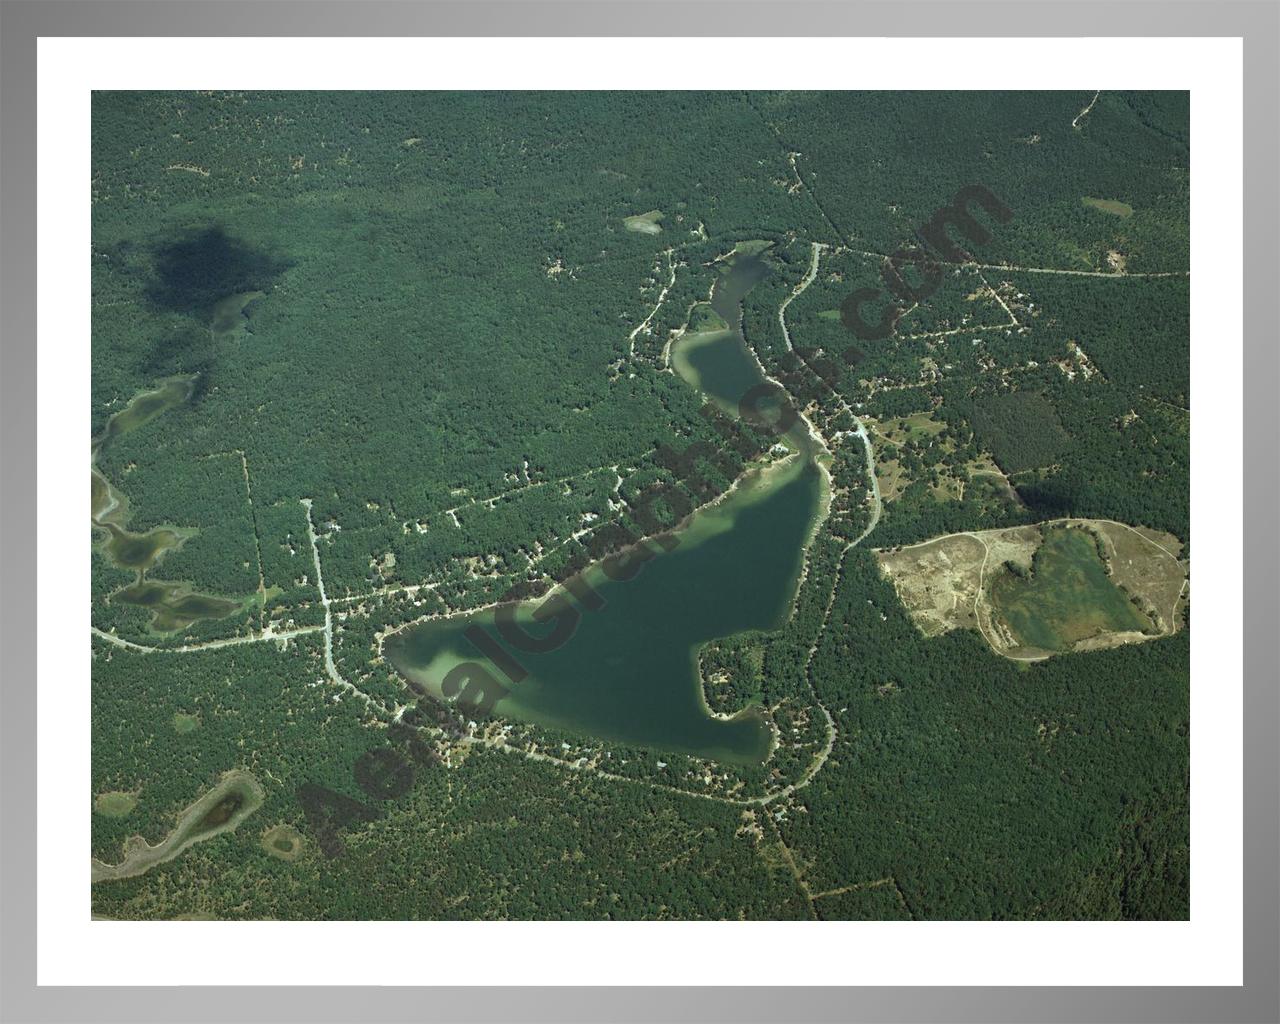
{"type": "Point", "coordinates": [629, 671]}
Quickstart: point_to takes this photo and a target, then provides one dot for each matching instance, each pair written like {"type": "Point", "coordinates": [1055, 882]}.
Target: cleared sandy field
{"type": "Point", "coordinates": [946, 583]}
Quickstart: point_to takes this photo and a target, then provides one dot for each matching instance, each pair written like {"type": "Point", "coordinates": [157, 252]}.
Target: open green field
{"type": "Point", "coordinates": [1067, 597]}
{"type": "Point", "coordinates": [644, 223]}
{"type": "Point", "coordinates": [115, 805]}
{"type": "Point", "coordinates": [1112, 206]}
{"type": "Point", "coordinates": [184, 723]}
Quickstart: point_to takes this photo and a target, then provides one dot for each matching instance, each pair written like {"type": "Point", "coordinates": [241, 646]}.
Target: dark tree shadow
{"type": "Point", "coordinates": [190, 276]}
{"type": "Point", "coordinates": [185, 352]}
{"type": "Point", "coordinates": [197, 270]}
{"type": "Point", "coordinates": [1050, 498]}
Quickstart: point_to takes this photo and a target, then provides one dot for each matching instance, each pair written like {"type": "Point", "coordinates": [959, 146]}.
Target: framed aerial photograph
{"type": "Point", "coordinates": [791, 525]}
{"type": "Point", "coordinates": [594, 509]}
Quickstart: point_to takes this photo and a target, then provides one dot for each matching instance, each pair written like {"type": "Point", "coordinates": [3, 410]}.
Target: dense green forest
{"type": "Point", "coordinates": [431, 369]}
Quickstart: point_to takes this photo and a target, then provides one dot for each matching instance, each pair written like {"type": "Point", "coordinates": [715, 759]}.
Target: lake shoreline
{"type": "Point", "coordinates": [774, 508]}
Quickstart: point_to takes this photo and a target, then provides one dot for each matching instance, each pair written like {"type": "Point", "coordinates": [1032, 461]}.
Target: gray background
{"type": "Point", "coordinates": [22, 22]}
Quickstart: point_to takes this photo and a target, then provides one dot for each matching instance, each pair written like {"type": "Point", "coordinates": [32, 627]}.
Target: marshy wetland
{"type": "Point", "coordinates": [284, 842]}
{"type": "Point", "coordinates": [137, 552]}
{"type": "Point", "coordinates": [174, 606]}
{"type": "Point", "coordinates": [236, 796]}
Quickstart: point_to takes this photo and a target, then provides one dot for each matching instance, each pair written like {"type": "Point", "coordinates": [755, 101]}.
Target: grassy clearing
{"type": "Point", "coordinates": [920, 426]}
{"type": "Point", "coordinates": [115, 804]}
{"type": "Point", "coordinates": [988, 482]}
{"type": "Point", "coordinates": [1112, 206]}
{"type": "Point", "coordinates": [1145, 563]}
{"type": "Point", "coordinates": [891, 477]}
{"type": "Point", "coordinates": [644, 223]}
{"type": "Point", "coordinates": [184, 723]}
{"type": "Point", "coordinates": [908, 450]}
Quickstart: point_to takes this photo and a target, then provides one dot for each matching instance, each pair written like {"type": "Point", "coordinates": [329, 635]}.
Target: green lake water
{"type": "Point", "coordinates": [140, 551]}
{"type": "Point", "coordinates": [629, 672]}
{"type": "Point", "coordinates": [1068, 597]}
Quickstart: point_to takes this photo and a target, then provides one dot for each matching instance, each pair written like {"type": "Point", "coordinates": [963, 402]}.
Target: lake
{"type": "Point", "coordinates": [629, 672]}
